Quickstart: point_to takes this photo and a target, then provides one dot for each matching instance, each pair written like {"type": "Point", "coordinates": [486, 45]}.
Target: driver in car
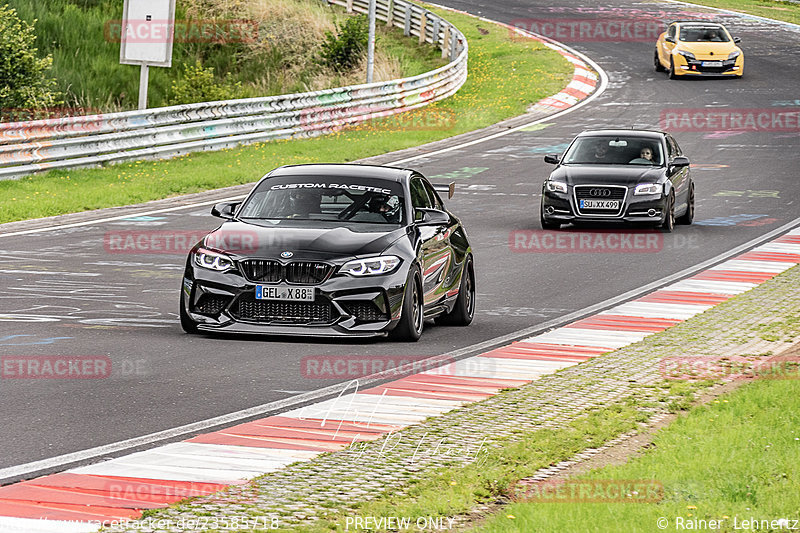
{"type": "Point", "coordinates": [387, 206]}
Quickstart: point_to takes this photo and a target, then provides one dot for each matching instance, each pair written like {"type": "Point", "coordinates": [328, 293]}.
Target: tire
{"type": "Point", "coordinates": [686, 218]}
{"type": "Point", "coordinates": [409, 328]}
{"type": "Point", "coordinates": [188, 325]}
{"type": "Point", "coordinates": [464, 309]}
{"type": "Point", "coordinates": [545, 223]}
{"type": "Point", "coordinates": [672, 74]}
{"type": "Point", "coordinates": [669, 219]}
{"type": "Point", "coordinates": [657, 62]}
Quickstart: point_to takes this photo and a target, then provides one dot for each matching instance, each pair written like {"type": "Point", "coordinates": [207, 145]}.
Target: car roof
{"type": "Point", "coordinates": [697, 23]}
{"type": "Point", "coordinates": [344, 170]}
{"type": "Point", "coordinates": [651, 134]}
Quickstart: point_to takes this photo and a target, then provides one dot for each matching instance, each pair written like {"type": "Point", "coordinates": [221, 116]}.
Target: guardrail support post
{"type": "Point", "coordinates": [453, 46]}
{"type": "Point", "coordinates": [436, 25]}
{"type": "Point", "coordinates": [390, 13]}
{"type": "Point", "coordinates": [349, 6]}
{"type": "Point", "coordinates": [423, 24]}
{"type": "Point", "coordinates": [407, 22]}
{"type": "Point", "coordinates": [445, 42]}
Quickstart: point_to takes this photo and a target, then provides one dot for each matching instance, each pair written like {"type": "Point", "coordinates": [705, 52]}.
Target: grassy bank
{"type": "Point", "coordinates": [785, 11]}
{"type": "Point", "coordinates": [505, 77]}
{"type": "Point", "coordinates": [269, 47]}
{"type": "Point", "coordinates": [729, 461]}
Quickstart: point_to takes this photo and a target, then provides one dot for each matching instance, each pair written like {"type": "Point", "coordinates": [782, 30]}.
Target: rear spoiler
{"type": "Point", "coordinates": [449, 188]}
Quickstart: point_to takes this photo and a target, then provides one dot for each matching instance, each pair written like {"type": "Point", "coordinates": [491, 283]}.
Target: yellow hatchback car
{"type": "Point", "coordinates": [698, 48]}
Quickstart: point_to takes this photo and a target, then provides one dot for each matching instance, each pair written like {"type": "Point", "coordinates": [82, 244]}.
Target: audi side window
{"type": "Point", "coordinates": [419, 198]}
{"type": "Point", "coordinates": [674, 144]}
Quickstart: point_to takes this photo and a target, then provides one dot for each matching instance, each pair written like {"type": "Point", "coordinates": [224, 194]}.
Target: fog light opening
{"type": "Point", "coordinates": [549, 210]}
{"type": "Point", "coordinates": [651, 212]}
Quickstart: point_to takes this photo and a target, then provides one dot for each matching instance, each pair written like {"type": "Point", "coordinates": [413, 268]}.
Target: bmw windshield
{"type": "Point", "coordinates": [335, 199]}
{"type": "Point", "coordinates": [643, 151]}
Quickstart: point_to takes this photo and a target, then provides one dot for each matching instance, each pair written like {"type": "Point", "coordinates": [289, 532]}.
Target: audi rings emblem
{"type": "Point", "coordinates": [599, 192]}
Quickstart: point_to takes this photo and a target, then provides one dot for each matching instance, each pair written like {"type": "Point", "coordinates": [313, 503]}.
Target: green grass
{"type": "Point", "coordinates": [785, 11]}
{"type": "Point", "coordinates": [505, 76]}
{"type": "Point", "coordinates": [78, 35]}
{"type": "Point", "coordinates": [450, 491]}
{"type": "Point", "coordinates": [736, 457]}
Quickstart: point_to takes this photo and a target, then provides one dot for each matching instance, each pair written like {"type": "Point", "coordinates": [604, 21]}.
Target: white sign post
{"type": "Point", "coordinates": [148, 28]}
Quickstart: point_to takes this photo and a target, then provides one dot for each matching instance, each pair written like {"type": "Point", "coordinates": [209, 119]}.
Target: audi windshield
{"type": "Point", "coordinates": [645, 151]}
{"type": "Point", "coordinates": [341, 200]}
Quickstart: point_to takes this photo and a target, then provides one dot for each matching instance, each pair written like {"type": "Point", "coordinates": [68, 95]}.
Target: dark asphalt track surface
{"type": "Point", "coordinates": [63, 293]}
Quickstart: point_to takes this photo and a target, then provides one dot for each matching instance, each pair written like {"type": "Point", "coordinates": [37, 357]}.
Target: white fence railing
{"type": "Point", "coordinates": [34, 146]}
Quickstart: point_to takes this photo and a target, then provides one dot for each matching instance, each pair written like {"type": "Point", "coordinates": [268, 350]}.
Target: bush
{"type": "Point", "coordinates": [198, 85]}
{"type": "Point", "coordinates": [344, 51]}
{"type": "Point", "coordinates": [24, 83]}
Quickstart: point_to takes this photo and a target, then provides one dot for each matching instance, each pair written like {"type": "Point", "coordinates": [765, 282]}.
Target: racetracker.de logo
{"type": "Point", "coordinates": [178, 242]}
{"type": "Point", "coordinates": [730, 119]}
{"type": "Point", "coordinates": [55, 367]}
{"type": "Point", "coordinates": [729, 367]}
{"type": "Point", "coordinates": [593, 491]}
{"type": "Point", "coordinates": [644, 29]}
{"type": "Point", "coordinates": [358, 366]}
{"type": "Point", "coordinates": [598, 242]}
{"type": "Point", "coordinates": [219, 31]}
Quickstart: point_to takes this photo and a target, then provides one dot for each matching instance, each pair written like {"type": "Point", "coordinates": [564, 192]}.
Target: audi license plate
{"type": "Point", "coordinates": [599, 204]}
{"type": "Point", "coordinates": [289, 294]}
{"type": "Point", "coordinates": [712, 63]}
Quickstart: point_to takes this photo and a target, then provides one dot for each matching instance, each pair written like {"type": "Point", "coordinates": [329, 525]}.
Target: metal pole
{"type": "Point", "coordinates": [144, 76]}
{"type": "Point", "coordinates": [371, 41]}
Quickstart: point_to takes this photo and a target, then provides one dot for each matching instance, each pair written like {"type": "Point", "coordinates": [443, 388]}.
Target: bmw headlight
{"type": "Point", "coordinates": [647, 188]}
{"type": "Point", "coordinates": [688, 55]}
{"type": "Point", "coordinates": [556, 186]}
{"type": "Point", "coordinates": [734, 55]}
{"type": "Point", "coordinates": [212, 260]}
{"type": "Point", "coordinates": [372, 266]}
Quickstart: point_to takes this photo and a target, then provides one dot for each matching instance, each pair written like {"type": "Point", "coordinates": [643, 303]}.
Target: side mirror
{"type": "Point", "coordinates": [553, 159]}
{"type": "Point", "coordinates": [737, 40]}
{"type": "Point", "coordinates": [225, 209]}
{"type": "Point", "coordinates": [669, 39]}
{"type": "Point", "coordinates": [424, 216]}
{"type": "Point", "coordinates": [680, 161]}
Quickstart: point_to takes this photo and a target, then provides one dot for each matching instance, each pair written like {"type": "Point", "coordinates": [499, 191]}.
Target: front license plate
{"type": "Point", "coordinates": [289, 294]}
{"type": "Point", "coordinates": [712, 63]}
{"type": "Point", "coordinates": [599, 204]}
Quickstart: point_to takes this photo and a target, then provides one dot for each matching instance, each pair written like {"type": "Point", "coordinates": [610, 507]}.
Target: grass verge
{"type": "Point", "coordinates": [505, 77]}
{"type": "Point", "coordinates": [785, 11]}
{"type": "Point", "coordinates": [731, 461]}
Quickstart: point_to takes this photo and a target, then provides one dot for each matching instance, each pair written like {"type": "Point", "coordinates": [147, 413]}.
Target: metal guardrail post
{"type": "Point", "coordinates": [407, 22]}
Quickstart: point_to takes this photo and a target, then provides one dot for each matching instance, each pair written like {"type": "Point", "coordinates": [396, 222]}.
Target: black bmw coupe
{"type": "Point", "coordinates": [636, 176]}
{"type": "Point", "coordinates": [331, 250]}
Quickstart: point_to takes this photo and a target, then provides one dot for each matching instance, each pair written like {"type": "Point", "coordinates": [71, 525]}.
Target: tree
{"type": "Point", "coordinates": [24, 83]}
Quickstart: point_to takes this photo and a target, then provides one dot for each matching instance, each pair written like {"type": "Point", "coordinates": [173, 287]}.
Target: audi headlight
{"type": "Point", "coordinates": [647, 188]}
{"type": "Point", "coordinates": [373, 266]}
{"type": "Point", "coordinates": [734, 55]}
{"type": "Point", "coordinates": [688, 55]}
{"type": "Point", "coordinates": [212, 260]}
{"type": "Point", "coordinates": [556, 186]}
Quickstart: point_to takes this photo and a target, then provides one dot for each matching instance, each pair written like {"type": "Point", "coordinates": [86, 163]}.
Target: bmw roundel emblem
{"type": "Point", "coordinates": [287, 255]}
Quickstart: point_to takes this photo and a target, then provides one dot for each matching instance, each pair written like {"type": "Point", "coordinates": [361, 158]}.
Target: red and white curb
{"type": "Point", "coordinates": [81, 499]}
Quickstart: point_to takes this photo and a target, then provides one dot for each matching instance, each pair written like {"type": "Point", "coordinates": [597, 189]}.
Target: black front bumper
{"type": "Point", "coordinates": [343, 305]}
{"type": "Point", "coordinates": [645, 209]}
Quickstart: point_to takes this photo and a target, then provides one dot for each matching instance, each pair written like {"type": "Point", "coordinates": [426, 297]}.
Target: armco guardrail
{"type": "Point", "coordinates": [28, 147]}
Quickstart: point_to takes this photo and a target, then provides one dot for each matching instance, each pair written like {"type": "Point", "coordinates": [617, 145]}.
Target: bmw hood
{"type": "Point", "coordinates": [296, 240]}
{"type": "Point", "coordinates": [628, 175]}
